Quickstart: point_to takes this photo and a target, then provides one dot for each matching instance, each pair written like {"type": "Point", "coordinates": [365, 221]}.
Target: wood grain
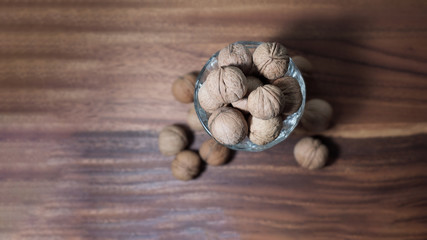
{"type": "Point", "coordinates": [85, 88]}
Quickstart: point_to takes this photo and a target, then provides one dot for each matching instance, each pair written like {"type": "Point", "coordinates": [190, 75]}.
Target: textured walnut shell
{"type": "Point", "coordinates": [252, 83]}
{"type": "Point", "coordinates": [291, 91]}
{"type": "Point", "coordinates": [228, 126]}
{"type": "Point", "coordinates": [183, 88]}
{"type": "Point", "coordinates": [271, 60]}
{"type": "Point", "coordinates": [186, 165]}
{"type": "Point", "coordinates": [172, 140]}
{"type": "Point", "coordinates": [317, 115]}
{"type": "Point", "coordinates": [193, 120]}
{"type": "Point", "coordinates": [206, 102]}
{"type": "Point", "coordinates": [266, 102]}
{"type": "Point", "coordinates": [226, 84]}
{"type": "Point", "coordinates": [262, 131]}
{"type": "Point", "coordinates": [237, 55]}
{"type": "Point", "coordinates": [311, 153]}
{"type": "Point", "coordinates": [303, 64]}
{"type": "Point", "coordinates": [241, 104]}
{"type": "Point", "coordinates": [214, 153]}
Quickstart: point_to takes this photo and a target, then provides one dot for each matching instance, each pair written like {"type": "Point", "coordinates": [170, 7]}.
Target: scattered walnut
{"type": "Point", "coordinates": [317, 115]}
{"type": "Point", "coordinates": [302, 64]}
{"type": "Point", "coordinates": [172, 140]}
{"type": "Point", "coordinates": [183, 87]}
{"type": "Point", "coordinates": [214, 153]}
{"type": "Point", "coordinates": [186, 165]}
{"type": "Point", "coordinates": [311, 153]}
{"type": "Point", "coordinates": [193, 120]}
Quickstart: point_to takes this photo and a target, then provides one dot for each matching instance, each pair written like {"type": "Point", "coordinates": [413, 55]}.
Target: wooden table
{"type": "Point", "coordinates": [85, 87]}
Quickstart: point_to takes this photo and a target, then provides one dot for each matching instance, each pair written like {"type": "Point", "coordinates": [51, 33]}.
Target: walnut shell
{"type": "Point", "coordinates": [237, 55]}
{"type": "Point", "coordinates": [228, 126]}
{"type": "Point", "coordinates": [303, 64]}
{"type": "Point", "coordinates": [317, 115]}
{"type": "Point", "coordinates": [291, 91]}
{"type": "Point", "coordinates": [262, 131]}
{"type": "Point", "coordinates": [311, 153]}
{"type": "Point", "coordinates": [172, 140]}
{"type": "Point", "coordinates": [241, 104]}
{"type": "Point", "coordinates": [206, 102]}
{"type": "Point", "coordinates": [226, 84]}
{"type": "Point", "coordinates": [214, 153]}
{"type": "Point", "coordinates": [186, 165]}
{"type": "Point", "coordinates": [193, 120]}
{"type": "Point", "coordinates": [252, 83]}
{"type": "Point", "coordinates": [271, 60]}
{"type": "Point", "coordinates": [183, 87]}
{"type": "Point", "coordinates": [266, 102]}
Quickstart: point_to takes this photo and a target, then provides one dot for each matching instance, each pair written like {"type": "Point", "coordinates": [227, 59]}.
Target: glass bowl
{"type": "Point", "coordinates": [289, 123]}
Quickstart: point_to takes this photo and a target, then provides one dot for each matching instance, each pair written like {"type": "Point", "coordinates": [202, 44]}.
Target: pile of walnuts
{"type": "Point", "coordinates": [249, 94]}
{"type": "Point", "coordinates": [174, 139]}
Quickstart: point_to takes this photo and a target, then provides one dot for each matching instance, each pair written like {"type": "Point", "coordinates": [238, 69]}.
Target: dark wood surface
{"type": "Point", "coordinates": [85, 87]}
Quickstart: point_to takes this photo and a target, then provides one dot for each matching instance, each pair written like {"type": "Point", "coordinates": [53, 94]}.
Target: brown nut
{"type": "Point", "coordinates": [266, 102]}
{"type": "Point", "coordinates": [172, 140]}
{"type": "Point", "coordinates": [214, 153]}
{"type": "Point", "coordinates": [317, 115]}
{"type": "Point", "coordinates": [193, 120]}
{"type": "Point", "coordinates": [271, 60]}
{"type": "Point", "coordinates": [186, 165]}
{"type": "Point", "coordinates": [228, 126]}
{"type": "Point", "coordinates": [183, 87]}
{"type": "Point", "coordinates": [226, 84]}
{"type": "Point", "coordinates": [242, 105]}
{"type": "Point", "coordinates": [237, 55]}
{"type": "Point", "coordinates": [303, 64]}
{"type": "Point", "coordinates": [206, 102]}
{"type": "Point", "coordinates": [291, 91]}
{"type": "Point", "coordinates": [311, 153]}
{"type": "Point", "coordinates": [262, 132]}
{"type": "Point", "coordinates": [252, 83]}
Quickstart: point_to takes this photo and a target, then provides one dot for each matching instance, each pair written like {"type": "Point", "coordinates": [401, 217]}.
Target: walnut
{"type": "Point", "coordinates": [226, 84]}
{"type": "Point", "coordinates": [183, 87]}
{"type": "Point", "coordinates": [252, 83]}
{"type": "Point", "coordinates": [291, 91]}
{"type": "Point", "coordinates": [266, 102]}
{"type": "Point", "coordinates": [242, 105]}
{"type": "Point", "coordinates": [271, 60]}
{"type": "Point", "coordinates": [302, 64]}
{"type": "Point", "coordinates": [206, 102]}
{"type": "Point", "coordinates": [214, 153]}
{"type": "Point", "coordinates": [172, 140]}
{"type": "Point", "coordinates": [237, 55]}
{"type": "Point", "coordinates": [262, 132]}
{"type": "Point", "coordinates": [317, 115]}
{"type": "Point", "coordinates": [193, 120]}
{"type": "Point", "coordinates": [228, 126]}
{"type": "Point", "coordinates": [311, 153]}
{"type": "Point", "coordinates": [186, 165]}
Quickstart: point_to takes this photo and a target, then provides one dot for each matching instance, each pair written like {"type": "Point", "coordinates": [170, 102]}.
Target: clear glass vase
{"type": "Point", "coordinates": [289, 123]}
